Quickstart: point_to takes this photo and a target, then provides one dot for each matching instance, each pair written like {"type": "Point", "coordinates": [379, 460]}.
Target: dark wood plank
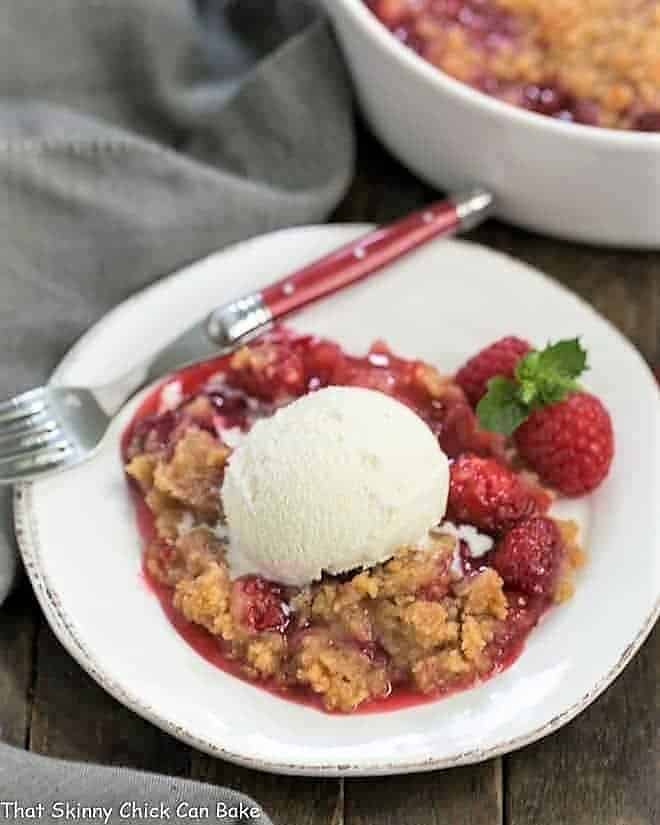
{"type": "Point", "coordinates": [603, 768]}
{"type": "Point", "coordinates": [73, 718]}
{"type": "Point", "coordinates": [288, 800]}
{"type": "Point", "coordinates": [18, 624]}
{"type": "Point", "coordinates": [462, 796]}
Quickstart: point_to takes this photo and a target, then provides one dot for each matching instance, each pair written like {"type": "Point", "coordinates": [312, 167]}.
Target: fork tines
{"type": "Point", "coordinates": [30, 436]}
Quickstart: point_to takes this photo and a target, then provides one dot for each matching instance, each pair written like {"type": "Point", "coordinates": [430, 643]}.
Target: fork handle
{"type": "Point", "coordinates": [237, 321]}
{"type": "Point", "coordinates": [229, 324]}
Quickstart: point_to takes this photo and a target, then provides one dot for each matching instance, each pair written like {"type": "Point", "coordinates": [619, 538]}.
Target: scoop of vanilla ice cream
{"type": "Point", "coordinates": [337, 480]}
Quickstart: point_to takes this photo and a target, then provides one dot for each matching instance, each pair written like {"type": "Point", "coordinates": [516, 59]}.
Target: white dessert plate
{"type": "Point", "coordinates": [81, 547]}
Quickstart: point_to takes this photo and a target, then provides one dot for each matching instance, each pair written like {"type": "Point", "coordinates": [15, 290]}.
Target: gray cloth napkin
{"type": "Point", "coordinates": [139, 135]}
{"type": "Point", "coordinates": [36, 789]}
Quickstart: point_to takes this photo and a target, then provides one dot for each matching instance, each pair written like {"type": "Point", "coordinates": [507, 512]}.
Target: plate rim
{"type": "Point", "coordinates": [29, 546]}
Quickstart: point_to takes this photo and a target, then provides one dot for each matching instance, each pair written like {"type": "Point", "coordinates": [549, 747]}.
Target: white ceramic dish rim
{"type": "Point", "coordinates": [30, 548]}
{"type": "Point", "coordinates": [364, 18]}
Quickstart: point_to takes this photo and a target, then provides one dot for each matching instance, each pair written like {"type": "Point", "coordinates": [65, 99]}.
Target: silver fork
{"type": "Point", "coordinates": [51, 428]}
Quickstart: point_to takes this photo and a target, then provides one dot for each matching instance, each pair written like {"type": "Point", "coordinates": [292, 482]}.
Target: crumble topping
{"type": "Point", "coordinates": [592, 61]}
{"type": "Point", "coordinates": [409, 619]}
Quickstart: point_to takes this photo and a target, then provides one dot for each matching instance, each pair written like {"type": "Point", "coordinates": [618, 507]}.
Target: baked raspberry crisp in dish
{"type": "Point", "coordinates": [588, 61]}
{"type": "Point", "coordinates": [468, 474]}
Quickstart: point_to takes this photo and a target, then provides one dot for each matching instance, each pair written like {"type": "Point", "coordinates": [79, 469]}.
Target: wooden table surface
{"type": "Point", "coordinates": [601, 769]}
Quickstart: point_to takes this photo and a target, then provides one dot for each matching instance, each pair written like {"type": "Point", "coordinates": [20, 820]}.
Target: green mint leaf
{"type": "Point", "coordinates": [501, 409]}
{"type": "Point", "coordinates": [541, 377]}
{"type": "Point", "coordinates": [548, 375]}
{"type": "Point", "coordinates": [565, 358]}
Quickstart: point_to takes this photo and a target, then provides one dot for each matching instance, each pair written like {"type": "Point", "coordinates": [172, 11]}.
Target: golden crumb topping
{"type": "Point", "coordinates": [602, 56]}
{"type": "Point", "coordinates": [604, 50]}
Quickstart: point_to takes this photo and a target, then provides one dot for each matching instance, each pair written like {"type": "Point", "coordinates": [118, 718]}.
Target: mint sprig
{"type": "Point", "coordinates": [541, 377]}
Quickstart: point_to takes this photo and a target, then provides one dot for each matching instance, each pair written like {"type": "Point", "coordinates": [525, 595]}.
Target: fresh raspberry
{"type": "Point", "coordinates": [499, 358]}
{"type": "Point", "coordinates": [258, 604]}
{"type": "Point", "coordinates": [488, 495]}
{"type": "Point", "coordinates": [528, 557]}
{"type": "Point", "coordinates": [570, 444]}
